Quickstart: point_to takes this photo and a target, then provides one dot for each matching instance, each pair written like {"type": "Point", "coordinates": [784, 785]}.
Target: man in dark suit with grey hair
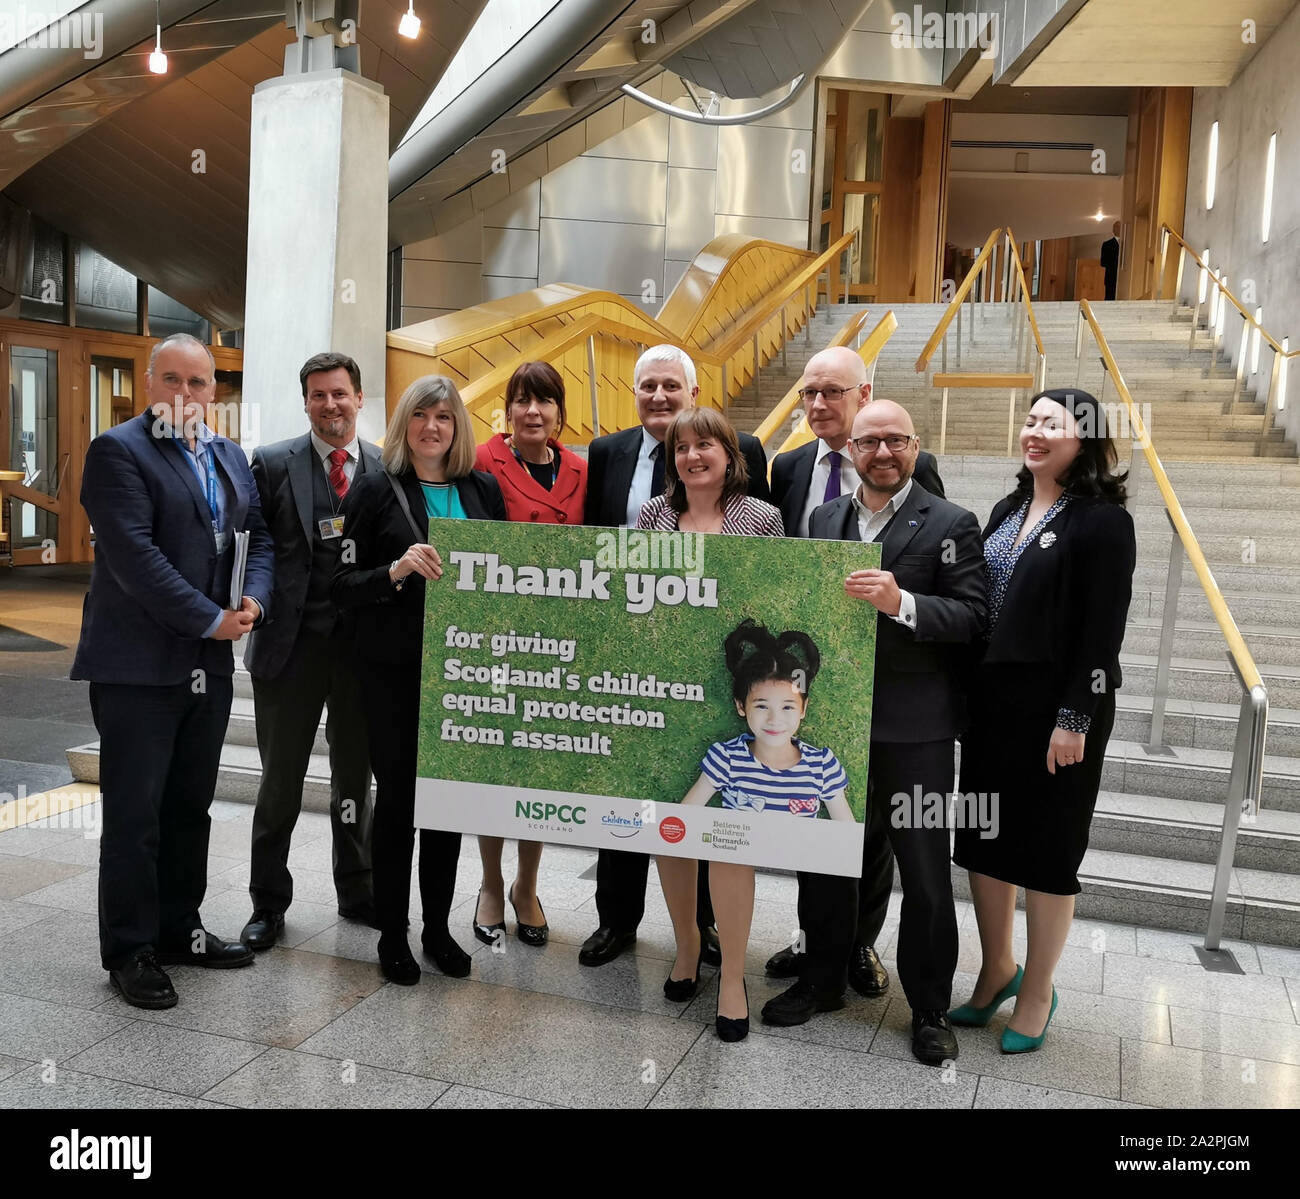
{"type": "Point", "coordinates": [303, 662]}
{"type": "Point", "coordinates": [624, 470]}
{"type": "Point", "coordinates": [166, 497]}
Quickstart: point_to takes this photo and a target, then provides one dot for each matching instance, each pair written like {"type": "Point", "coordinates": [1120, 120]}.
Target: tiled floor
{"type": "Point", "coordinates": [313, 1023]}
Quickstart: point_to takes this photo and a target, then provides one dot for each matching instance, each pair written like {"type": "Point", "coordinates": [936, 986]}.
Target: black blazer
{"type": "Point", "coordinates": [933, 549]}
{"type": "Point", "coordinates": [792, 475]}
{"type": "Point", "coordinates": [284, 481]}
{"type": "Point", "coordinates": [611, 463]}
{"type": "Point", "coordinates": [1066, 606]}
{"type": "Point", "coordinates": [390, 623]}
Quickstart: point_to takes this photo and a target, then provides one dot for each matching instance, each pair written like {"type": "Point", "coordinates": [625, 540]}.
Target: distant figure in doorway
{"type": "Point", "coordinates": [1110, 260]}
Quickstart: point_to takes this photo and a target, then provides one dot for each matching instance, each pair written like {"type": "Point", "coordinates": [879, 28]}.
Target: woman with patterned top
{"type": "Point", "coordinates": [706, 477]}
{"type": "Point", "coordinates": [1060, 552]}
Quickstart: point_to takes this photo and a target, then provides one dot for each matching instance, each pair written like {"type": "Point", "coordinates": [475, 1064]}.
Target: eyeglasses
{"type": "Point", "coordinates": [830, 394]}
{"type": "Point", "coordinates": [894, 441]}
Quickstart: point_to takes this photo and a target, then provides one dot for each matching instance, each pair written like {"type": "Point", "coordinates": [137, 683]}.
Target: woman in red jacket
{"type": "Point", "coordinates": [541, 480]}
{"type": "Point", "coordinates": [547, 484]}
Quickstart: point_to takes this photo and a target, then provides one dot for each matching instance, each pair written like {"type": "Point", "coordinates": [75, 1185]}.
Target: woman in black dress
{"type": "Point", "coordinates": [1060, 552]}
{"type": "Point", "coordinates": [428, 471]}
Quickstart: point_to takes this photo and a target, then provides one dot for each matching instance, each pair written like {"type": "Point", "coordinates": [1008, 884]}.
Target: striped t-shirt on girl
{"type": "Point", "coordinates": [745, 783]}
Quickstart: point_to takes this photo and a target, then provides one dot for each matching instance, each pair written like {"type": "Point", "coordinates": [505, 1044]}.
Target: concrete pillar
{"type": "Point", "coordinates": [317, 244]}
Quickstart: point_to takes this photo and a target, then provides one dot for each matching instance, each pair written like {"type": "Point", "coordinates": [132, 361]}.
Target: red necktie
{"type": "Point", "coordinates": [338, 480]}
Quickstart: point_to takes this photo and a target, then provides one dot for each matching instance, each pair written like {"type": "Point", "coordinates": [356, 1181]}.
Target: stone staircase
{"type": "Point", "coordinates": [1155, 835]}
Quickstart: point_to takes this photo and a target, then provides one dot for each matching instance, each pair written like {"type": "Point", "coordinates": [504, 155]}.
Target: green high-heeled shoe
{"type": "Point", "coordinates": [1017, 1042]}
{"type": "Point", "coordinates": [978, 1017]}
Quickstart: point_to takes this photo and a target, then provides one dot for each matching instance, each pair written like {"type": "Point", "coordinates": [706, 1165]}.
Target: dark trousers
{"type": "Point", "coordinates": [838, 913]}
{"type": "Point", "coordinates": [159, 750]}
{"type": "Point", "coordinates": [620, 890]}
{"type": "Point", "coordinates": [1112, 284]}
{"type": "Point", "coordinates": [391, 695]}
{"type": "Point", "coordinates": [320, 671]}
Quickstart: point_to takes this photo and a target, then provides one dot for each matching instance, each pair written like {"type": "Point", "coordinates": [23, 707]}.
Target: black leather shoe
{"type": "Point", "coordinates": [263, 929]}
{"type": "Point", "coordinates": [144, 983]}
{"type": "Point", "coordinates": [215, 954]}
{"type": "Point", "coordinates": [449, 957]}
{"type": "Point", "coordinates": [866, 975]}
{"type": "Point", "coordinates": [396, 962]}
{"type": "Point", "coordinates": [783, 964]}
{"type": "Point", "coordinates": [362, 913]}
{"type": "Point", "coordinates": [798, 1004]}
{"type": "Point", "coordinates": [710, 947]}
{"type": "Point", "coordinates": [604, 945]}
{"type": "Point", "coordinates": [933, 1041]}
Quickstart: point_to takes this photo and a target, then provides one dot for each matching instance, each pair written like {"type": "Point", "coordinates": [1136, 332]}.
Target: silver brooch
{"type": "Point", "coordinates": [1047, 540]}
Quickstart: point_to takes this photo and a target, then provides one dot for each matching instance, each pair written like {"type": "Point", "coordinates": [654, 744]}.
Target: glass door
{"type": "Point", "coordinates": [33, 457]}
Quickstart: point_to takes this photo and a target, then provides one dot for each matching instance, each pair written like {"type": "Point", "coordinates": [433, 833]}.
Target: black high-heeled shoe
{"type": "Point", "coordinates": [487, 933]}
{"type": "Point", "coordinates": [679, 990]}
{"type": "Point", "coordinates": [396, 961]}
{"type": "Point", "coordinates": [535, 935]}
{"type": "Point", "coordinates": [729, 1029]}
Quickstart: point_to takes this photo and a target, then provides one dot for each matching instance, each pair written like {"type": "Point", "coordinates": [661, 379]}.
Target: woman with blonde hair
{"type": "Point", "coordinates": [428, 471]}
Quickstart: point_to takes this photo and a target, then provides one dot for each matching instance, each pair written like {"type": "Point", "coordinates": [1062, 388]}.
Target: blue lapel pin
{"type": "Point", "coordinates": [911, 524]}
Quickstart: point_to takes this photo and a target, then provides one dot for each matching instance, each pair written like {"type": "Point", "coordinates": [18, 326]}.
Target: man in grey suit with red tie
{"type": "Point", "coordinates": [304, 660]}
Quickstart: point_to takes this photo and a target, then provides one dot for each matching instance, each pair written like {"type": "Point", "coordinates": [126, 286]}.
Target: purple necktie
{"type": "Point", "coordinates": [833, 483]}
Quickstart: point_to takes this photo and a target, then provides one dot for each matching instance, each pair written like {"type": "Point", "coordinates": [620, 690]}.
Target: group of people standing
{"type": "Point", "coordinates": [1008, 640]}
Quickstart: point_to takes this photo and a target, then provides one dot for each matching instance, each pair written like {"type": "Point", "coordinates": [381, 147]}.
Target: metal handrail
{"type": "Point", "coordinates": [1222, 294]}
{"type": "Point", "coordinates": [954, 305]}
{"type": "Point", "coordinates": [1245, 785]}
{"type": "Point", "coordinates": [1165, 234]}
{"type": "Point", "coordinates": [869, 350]}
{"type": "Point", "coordinates": [1016, 295]}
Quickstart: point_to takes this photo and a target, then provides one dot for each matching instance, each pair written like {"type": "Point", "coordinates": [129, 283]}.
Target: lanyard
{"type": "Point", "coordinates": [210, 487]}
{"type": "Point", "coordinates": [555, 462]}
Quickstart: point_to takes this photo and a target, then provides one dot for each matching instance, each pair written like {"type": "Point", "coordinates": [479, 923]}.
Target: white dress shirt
{"type": "Point", "coordinates": [871, 525]}
{"type": "Point", "coordinates": [324, 450]}
{"type": "Point", "coordinates": [821, 473]}
{"type": "Point", "coordinates": [639, 491]}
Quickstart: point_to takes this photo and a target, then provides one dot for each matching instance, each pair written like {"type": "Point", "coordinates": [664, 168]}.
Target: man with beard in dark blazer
{"type": "Point", "coordinates": [930, 601]}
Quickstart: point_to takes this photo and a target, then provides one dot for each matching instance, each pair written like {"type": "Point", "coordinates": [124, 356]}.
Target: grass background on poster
{"type": "Point", "coordinates": [782, 583]}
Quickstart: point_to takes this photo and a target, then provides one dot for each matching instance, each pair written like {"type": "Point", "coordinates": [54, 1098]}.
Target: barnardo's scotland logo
{"type": "Point", "coordinates": [623, 826]}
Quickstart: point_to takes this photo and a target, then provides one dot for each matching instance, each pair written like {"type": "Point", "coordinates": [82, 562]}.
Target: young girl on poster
{"type": "Point", "coordinates": [769, 769]}
{"type": "Point", "coordinates": [766, 770]}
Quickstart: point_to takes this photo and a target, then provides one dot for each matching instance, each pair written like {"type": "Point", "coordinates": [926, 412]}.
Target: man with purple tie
{"type": "Point", "coordinates": [834, 387]}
